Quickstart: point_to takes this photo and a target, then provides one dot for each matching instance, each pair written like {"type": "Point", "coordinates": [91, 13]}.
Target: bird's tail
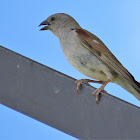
{"type": "Point", "coordinates": [138, 84]}
{"type": "Point", "coordinates": [134, 90]}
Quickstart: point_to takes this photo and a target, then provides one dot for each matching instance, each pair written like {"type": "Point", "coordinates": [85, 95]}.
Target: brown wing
{"type": "Point", "coordinates": [96, 46]}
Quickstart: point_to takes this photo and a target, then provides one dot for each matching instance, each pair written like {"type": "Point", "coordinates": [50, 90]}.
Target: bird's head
{"type": "Point", "coordinates": [59, 23]}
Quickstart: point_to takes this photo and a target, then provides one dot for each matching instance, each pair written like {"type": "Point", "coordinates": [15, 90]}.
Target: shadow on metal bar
{"type": "Point", "coordinates": [50, 97]}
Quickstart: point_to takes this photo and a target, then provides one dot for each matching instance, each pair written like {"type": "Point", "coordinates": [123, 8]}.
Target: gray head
{"type": "Point", "coordinates": [59, 23]}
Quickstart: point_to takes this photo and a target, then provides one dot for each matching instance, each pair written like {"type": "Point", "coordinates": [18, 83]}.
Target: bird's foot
{"type": "Point", "coordinates": [79, 83]}
{"type": "Point", "coordinates": [86, 81]}
{"type": "Point", "coordinates": [99, 90]}
{"type": "Point", "coordinates": [98, 94]}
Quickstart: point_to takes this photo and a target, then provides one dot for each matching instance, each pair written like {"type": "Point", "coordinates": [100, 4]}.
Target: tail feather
{"type": "Point", "coordinates": [130, 88]}
{"type": "Point", "coordinates": [138, 84]}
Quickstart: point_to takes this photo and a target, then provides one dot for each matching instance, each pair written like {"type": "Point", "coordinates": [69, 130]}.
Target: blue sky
{"type": "Point", "coordinates": [116, 23]}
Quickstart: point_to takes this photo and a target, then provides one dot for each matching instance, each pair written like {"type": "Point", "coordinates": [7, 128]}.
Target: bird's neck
{"type": "Point", "coordinates": [66, 28]}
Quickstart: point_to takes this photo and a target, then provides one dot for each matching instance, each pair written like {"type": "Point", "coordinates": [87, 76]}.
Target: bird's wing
{"type": "Point", "coordinates": [97, 47]}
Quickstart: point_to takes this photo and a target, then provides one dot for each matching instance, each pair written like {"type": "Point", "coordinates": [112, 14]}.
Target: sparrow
{"type": "Point", "coordinates": [89, 55]}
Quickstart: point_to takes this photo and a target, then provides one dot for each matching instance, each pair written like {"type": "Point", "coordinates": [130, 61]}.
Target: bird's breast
{"type": "Point", "coordinates": [82, 59]}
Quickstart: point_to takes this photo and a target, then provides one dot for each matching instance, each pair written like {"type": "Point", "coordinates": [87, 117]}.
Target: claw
{"type": "Point", "coordinates": [98, 91]}
{"type": "Point", "coordinates": [98, 97]}
{"type": "Point", "coordinates": [95, 92]}
{"type": "Point", "coordinates": [78, 83]}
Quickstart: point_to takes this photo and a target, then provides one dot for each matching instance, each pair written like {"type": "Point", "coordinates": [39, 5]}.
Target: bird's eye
{"type": "Point", "coordinates": [53, 18]}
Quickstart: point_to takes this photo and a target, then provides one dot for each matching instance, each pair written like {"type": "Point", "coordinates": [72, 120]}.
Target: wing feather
{"type": "Point", "coordinates": [97, 47]}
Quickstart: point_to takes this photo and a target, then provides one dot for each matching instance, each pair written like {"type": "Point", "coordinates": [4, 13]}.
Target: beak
{"type": "Point", "coordinates": [44, 23]}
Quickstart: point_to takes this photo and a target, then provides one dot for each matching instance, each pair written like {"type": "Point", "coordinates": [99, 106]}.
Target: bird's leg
{"type": "Point", "coordinates": [79, 82]}
{"type": "Point", "coordinates": [100, 89]}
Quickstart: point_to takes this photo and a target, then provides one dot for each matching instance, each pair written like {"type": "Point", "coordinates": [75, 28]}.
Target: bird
{"type": "Point", "coordinates": [89, 55]}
